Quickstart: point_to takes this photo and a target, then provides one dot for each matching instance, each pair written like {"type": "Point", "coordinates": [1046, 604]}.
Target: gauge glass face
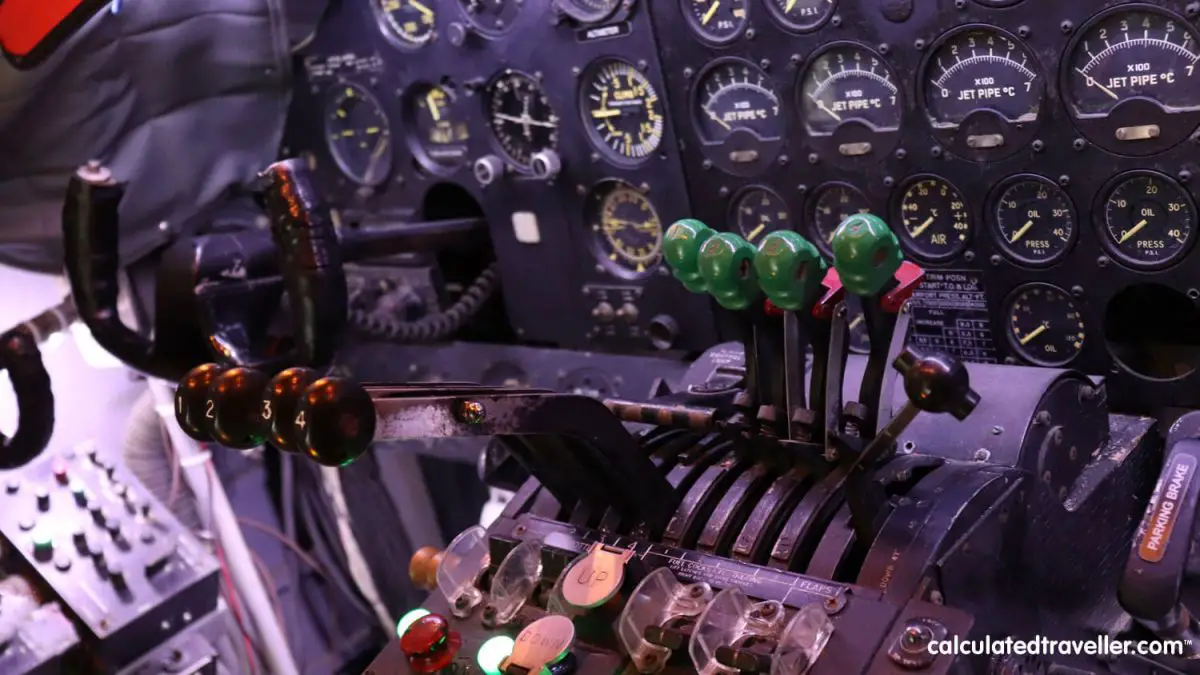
{"type": "Point", "coordinates": [981, 69]}
{"type": "Point", "coordinates": [716, 20]}
{"type": "Point", "coordinates": [802, 15]}
{"type": "Point", "coordinates": [622, 112]}
{"type": "Point", "coordinates": [589, 11]}
{"type": "Point", "coordinates": [521, 118]}
{"type": "Point", "coordinates": [736, 95]}
{"type": "Point", "coordinates": [849, 83]}
{"type": "Point", "coordinates": [833, 204]}
{"type": "Point", "coordinates": [860, 341]}
{"type": "Point", "coordinates": [1045, 325]}
{"type": "Point", "coordinates": [628, 233]}
{"type": "Point", "coordinates": [1148, 220]}
{"type": "Point", "coordinates": [935, 223]}
{"type": "Point", "coordinates": [409, 22]}
{"type": "Point", "coordinates": [1035, 222]}
{"type": "Point", "coordinates": [360, 138]}
{"type": "Point", "coordinates": [1135, 54]}
{"type": "Point", "coordinates": [491, 16]}
{"type": "Point", "coordinates": [759, 212]}
{"type": "Point", "coordinates": [440, 126]}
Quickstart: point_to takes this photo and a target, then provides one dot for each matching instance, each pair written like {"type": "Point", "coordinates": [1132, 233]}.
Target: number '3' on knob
{"type": "Point", "coordinates": [193, 406]}
{"type": "Point", "coordinates": [336, 421]}
{"type": "Point", "coordinates": [237, 405]}
{"type": "Point", "coordinates": [280, 401]}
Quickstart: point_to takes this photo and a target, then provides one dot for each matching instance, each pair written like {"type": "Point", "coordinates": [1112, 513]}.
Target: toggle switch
{"type": "Point", "coordinates": [542, 643]}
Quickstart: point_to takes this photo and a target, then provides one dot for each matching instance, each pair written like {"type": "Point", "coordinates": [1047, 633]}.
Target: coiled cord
{"type": "Point", "coordinates": [434, 327]}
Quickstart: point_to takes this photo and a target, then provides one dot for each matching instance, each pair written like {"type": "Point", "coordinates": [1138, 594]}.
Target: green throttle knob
{"type": "Point", "coordinates": [681, 248]}
{"type": "Point", "coordinates": [727, 267]}
{"type": "Point", "coordinates": [790, 270]}
{"type": "Point", "coordinates": [866, 254]}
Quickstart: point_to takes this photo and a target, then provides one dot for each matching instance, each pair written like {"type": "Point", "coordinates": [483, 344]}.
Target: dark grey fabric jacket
{"type": "Point", "coordinates": [184, 100]}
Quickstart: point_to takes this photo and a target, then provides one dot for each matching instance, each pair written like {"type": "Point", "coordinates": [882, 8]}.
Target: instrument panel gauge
{"type": "Point", "coordinates": [982, 69]}
{"type": "Point", "coordinates": [850, 83]}
{"type": "Point", "coordinates": [409, 23]}
{"type": "Point", "coordinates": [935, 223]}
{"type": "Point", "coordinates": [521, 117]}
{"type": "Point", "coordinates": [360, 137]}
{"type": "Point", "coordinates": [1045, 325]}
{"type": "Point", "coordinates": [622, 112]}
{"type": "Point", "coordinates": [832, 204]}
{"type": "Point", "coordinates": [717, 21]}
{"type": "Point", "coordinates": [588, 11]}
{"type": "Point", "coordinates": [736, 95]}
{"type": "Point", "coordinates": [1148, 220]}
{"type": "Point", "coordinates": [1035, 221]}
{"type": "Point", "coordinates": [628, 234]}
{"type": "Point", "coordinates": [440, 126]}
{"type": "Point", "coordinates": [491, 16]}
{"type": "Point", "coordinates": [758, 212]}
{"type": "Point", "coordinates": [801, 15]}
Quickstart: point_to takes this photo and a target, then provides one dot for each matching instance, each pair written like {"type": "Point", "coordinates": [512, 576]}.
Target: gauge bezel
{"type": "Point", "coordinates": [993, 220]}
{"type": "Point", "coordinates": [333, 95]}
{"type": "Point", "coordinates": [583, 16]}
{"type": "Point", "coordinates": [494, 139]}
{"type": "Point", "coordinates": [393, 37]}
{"type": "Point", "coordinates": [585, 80]}
{"type": "Point", "coordinates": [489, 31]}
{"type": "Point", "coordinates": [1102, 130]}
{"type": "Point", "coordinates": [746, 191]}
{"type": "Point", "coordinates": [593, 202]}
{"type": "Point", "coordinates": [901, 232]}
{"type": "Point", "coordinates": [810, 211]}
{"type": "Point", "coordinates": [781, 19]}
{"type": "Point", "coordinates": [768, 150]}
{"type": "Point", "coordinates": [698, 30]}
{"type": "Point", "coordinates": [416, 145]}
{"type": "Point", "coordinates": [1016, 138]}
{"type": "Point", "coordinates": [1017, 347]}
{"type": "Point", "coordinates": [1099, 213]}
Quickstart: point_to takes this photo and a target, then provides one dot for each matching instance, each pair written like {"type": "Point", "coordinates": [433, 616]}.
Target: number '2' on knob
{"type": "Point", "coordinates": [194, 409]}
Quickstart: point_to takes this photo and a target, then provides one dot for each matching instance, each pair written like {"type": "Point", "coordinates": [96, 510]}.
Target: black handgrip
{"type": "Point", "coordinates": [310, 259]}
{"type": "Point", "coordinates": [20, 356]}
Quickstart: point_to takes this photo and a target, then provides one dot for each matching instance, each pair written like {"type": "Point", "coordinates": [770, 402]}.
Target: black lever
{"type": "Point", "coordinates": [20, 356]}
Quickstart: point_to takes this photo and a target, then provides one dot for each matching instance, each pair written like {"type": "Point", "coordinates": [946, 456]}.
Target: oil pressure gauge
{"type": "Point", "coordinates": [1045, 325]}
{"type": "Point", "coordinates": [1148, 220]}
{"type": "Point", "coordinates": [1035, 222]}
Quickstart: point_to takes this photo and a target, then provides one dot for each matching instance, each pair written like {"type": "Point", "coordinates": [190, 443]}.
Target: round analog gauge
{"type": "Point", "coordinates": [758, 212]}
{"type": "Point", "coordinates": [588, 11]}
{"type": "Point", "coordinates": [735, 95]}
{"type": "Point", "coordinates": [409, 23]}
{"type": "Point", "coordinates": [360, 138]}
{"type": "Point", "coordinates": [491, 16]}
{"type": "Point", "coordinates": [628, 234]}
{"type": "Point", "coordinates": [1045, 325]}
{"type": "Point", "coordinates": [521, 117]}
{"type": "Point", "coordinates": [935, 224]}
{"type": "Point", "coordinates": [856, 321]}
{"type": "Point", "coordinates": [1035, 222]}
{"type": "Point", "coordinates": [849, 83]}
{"type": "Point", "coordinates": [982, 69]}
{"type": "Point", "coordinates": [622, 112]}
{"type": "Point", "coordinates": [1148, 220]}
{"type": "Point", "coordinates": [440, 128]}
{"type": "Point", "coordinates": [717, 21]}
{"type": "Point", "coordinates": [833, 204]}
{"type": "Point", "coordinates": [801, 15]}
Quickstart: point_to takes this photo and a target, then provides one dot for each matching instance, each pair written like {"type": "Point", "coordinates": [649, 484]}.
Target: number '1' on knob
{"type": "Point", "coordinates": [193, 407]}
{"type": "Point", "coordinates": [237, 402]}
{"type": "Point", "coordinates": [336, 421]}
{"type": "Point", "coordinates": [280, 401]}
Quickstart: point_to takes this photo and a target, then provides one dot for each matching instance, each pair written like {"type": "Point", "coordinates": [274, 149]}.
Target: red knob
{"type": "Point", "coordinates": [429, 644]}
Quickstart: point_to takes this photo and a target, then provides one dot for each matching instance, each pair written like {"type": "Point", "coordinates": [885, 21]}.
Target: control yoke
{"type": "Point", "coordinates": [21, 358]}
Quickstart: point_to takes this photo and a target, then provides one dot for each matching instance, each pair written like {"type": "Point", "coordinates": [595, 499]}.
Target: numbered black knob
{"type": "Point", "coordinates": [237, 398]}
{"type": "Point", "coordinates": [336, 421]}
{"type": "Point", "coordinates": [937, 383]}
{"type": "Point", "coordinates": [193, 407]}
{"type": "Point", "coordinates": [280, 402]}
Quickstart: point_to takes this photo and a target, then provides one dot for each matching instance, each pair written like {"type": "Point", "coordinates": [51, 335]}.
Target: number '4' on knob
{"type": "Point", "coordinates": [336, 421]}
{"type": "Point", "coordinates": [280, 400]}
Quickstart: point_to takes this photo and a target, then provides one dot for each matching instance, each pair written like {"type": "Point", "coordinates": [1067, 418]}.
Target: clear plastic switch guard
{"type": "Point", "coordinates": [463, 560]}
{"type": "Point", "coordinates": [803, 641]}
{"type": "Point", "coordinates": [729, 619]}
{"type": "Point", "coordinates": [515, 579]}
{"type": "Point", "coordinates": [659, 599]}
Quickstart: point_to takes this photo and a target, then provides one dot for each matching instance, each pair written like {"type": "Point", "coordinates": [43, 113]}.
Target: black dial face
{"type": "Point", "coordinates": [736, 95]}
{"type": "Point", "coordinates": [758, 212]}
{"type": "Point", "coordinates": [621, 111]}
{"type": "Point", "coordinates": [860, 341]}
{"type": "Point", "coordinates": [833, 204]}
{"type": "Point", "coordinates": [1035, 222]}
{"type": "Point", "coordinates": [360, 138]}
{"type": "Point", "coordinates": [982, 69]}
{"type": "Point", "coordinates": [1135, 54]}
{"type": "Point", "coordinates": [849, 83]}
{"type": "Point", "coordinates": [588, 11]}
{"type": "Point", "coordinates": [716, 20]}
{"type": "Point", "coordinates": [521, 117]}
{"type": "Point", "coordinates": [628, 234]}
{"type": "Point", "coordinates": [491, 16]}
{"type": "Point", "coordinates": [802, 15]}
{"type": "Point", "coordinates": [407, 22]}
{"type": "Point", "coordinates": [1045, 325]}
{"type": "Point", "coordinates": [935, 223]}
{"type": "Point", "coordinates": [440, 126]}
{"type": "Point", "coordinates": [1148, 221]}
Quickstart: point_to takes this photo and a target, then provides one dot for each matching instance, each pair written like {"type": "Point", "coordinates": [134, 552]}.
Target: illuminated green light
{"type": "Point", "coordinates": [493, 652]}
{"type": "Point", "coordinates": [42, 541]}
{"type": "Point", "coordinates": [408, 620]}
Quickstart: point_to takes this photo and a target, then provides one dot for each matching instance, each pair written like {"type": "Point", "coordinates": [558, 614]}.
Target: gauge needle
{"type": "Point", "coordinates": [1036, 332]}
{"type": "Point", "coordinates": [718, 120]}
{"type": "Point", "coordinates": [1136, 228]}
{"type": "Point", "coordinates": [421, 8]}
{"type": "Point", "coordinates": [1091, 82]}
{"type": "Point", "coordinates": [755, 232]}
{"type": "Point", "coordinates": [822, 106]}
{"type": "Point", "coordinates": [525, 120]}
{"type": "Point", "coordinates": [431, 101]}
{"type": "Point", "coordinates": [790, 5]}
{"type": "Point", "coordinates": [920, 229]}
{"type": "Point", "coordinates": [709, 14]}
{"type": "Point", "coordinates": [1021, 232]}
{"type": "Point", "coordinates": [857, 320]}
{"type": "Point", "coordinates": [605, 114]}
